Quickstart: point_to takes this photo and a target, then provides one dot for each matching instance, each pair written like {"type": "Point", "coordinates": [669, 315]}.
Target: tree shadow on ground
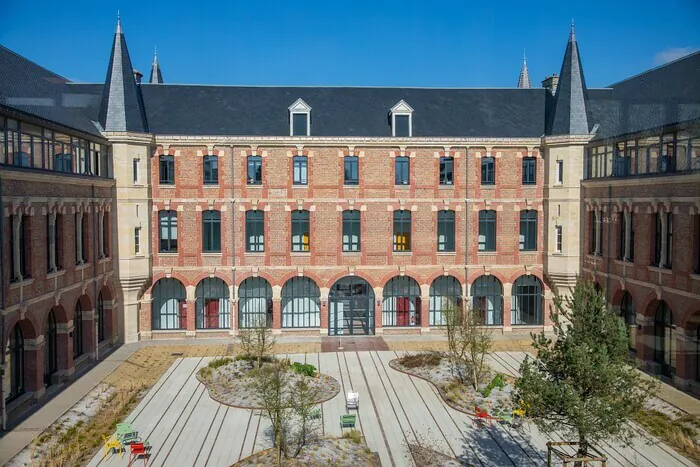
{"type": "Point", "coordinates": [492, 444]}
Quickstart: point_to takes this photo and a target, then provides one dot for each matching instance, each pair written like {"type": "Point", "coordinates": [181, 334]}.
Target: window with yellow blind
{"type": "Point", "coordinates": [300, 231]}
{"type": "Point", "coordinates": [402, 230]}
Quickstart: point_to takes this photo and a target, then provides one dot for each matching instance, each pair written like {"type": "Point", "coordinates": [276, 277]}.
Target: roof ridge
{"type": "Point", "coordinates": [658, 67]}
{"type": "Point", "coordinates": [309, 86]}
{"type": "Point", "coordinates": [35, 64]}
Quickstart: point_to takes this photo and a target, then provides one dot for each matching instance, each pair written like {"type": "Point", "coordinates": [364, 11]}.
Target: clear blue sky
{"type": "Point", "coordinates": [358, 42]}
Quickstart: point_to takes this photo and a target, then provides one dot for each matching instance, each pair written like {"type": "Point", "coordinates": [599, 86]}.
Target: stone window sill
{"type": "Point", "coordinates": [138, 185]}
{"type": "Point", "coordinates": [661, 270]}
{"type": "Point", "coordinates": [168, 331]}
{"type": "Point", "coordinates": [402, 185]}
{"type": "Point", "coordinates": [488, 187]}
{"type": "Point", "coordinates": [402, 253]}
{"type": "Point", "coordinates": [446, 187]}
{"type": "Point", "coordinates": [19, 401]}
{"type": "Point", "coordinates": [81, 358]}
{"type": "Point", "coordinates": [621, 262]}
{"type": "Point", "coordinates": [56, 273]}
{"type": "Point", "coordinates": [169, 186]}
{"type": "Point", "coordinates": [695, 276]}
{"type": "Point", "coordinates": [446, 253]}
{"type": "Point", "coordinates": [300, 253]}
{"type": "Point", "coordinates": [300, 185]}
{"type": "Point", "coordinates": [354, 185]}
{"type": "Point", "coordinates": [257, 185]}
{"type": "Point", "coordinates": [352, 253]}
{"type": "Point", "coordinates": [210, 185]}
{"type": "Point", "coordinates": [104, 259]}
{"type": "Point", "coordinates": [487, 253]}
{"type": "Point", "coordinates": [212, 254]}
{"type": "Point", "coordinates": [169, 255]}
{"type": "Point", "coordinates": [557, 253]}
{"type": "Point", "coordinates": [259, 254]}
{"type": "Point", "coordinates": [23, 283]}
{"type": "Point", "coordinates": [79, 267]}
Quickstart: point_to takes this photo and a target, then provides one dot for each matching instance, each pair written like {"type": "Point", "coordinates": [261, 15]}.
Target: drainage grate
{"type": "Point", "coordinates": [177, 354]}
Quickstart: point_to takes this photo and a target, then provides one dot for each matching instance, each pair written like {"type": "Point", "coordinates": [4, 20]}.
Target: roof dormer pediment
{"type": "Point", "coordinates": [300, 106]}
{"type": "Point", "coordinates": [401, 108]}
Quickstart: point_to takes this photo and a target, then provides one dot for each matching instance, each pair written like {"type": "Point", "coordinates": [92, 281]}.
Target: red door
{"type": "Point", "coordinates": [402, 310]}
{"type": "Point", "coordinates": [183, 314]}
{"type": "Point", "coordinates": [211, 313]}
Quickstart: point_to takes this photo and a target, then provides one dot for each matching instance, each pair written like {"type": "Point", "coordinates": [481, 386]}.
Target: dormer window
{"type": "Point", "coordinates": [299, 119]}
{"type": "Point", "coordinates": [401, 120]}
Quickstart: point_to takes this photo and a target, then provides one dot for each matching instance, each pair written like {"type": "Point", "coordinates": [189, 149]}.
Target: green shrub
{"type": "Point", "coordinates": [420, 359]}
{"type": "Point", "coordinates": [217, 362]}
{"type": "Point", "coordinates": [353, 435]}
{"type": "Point", "coordinates": [205, 372]}
{"type": "Point", "coordinates": [305, 369]}
{"type": "Point", "coordinates": [496, 382]}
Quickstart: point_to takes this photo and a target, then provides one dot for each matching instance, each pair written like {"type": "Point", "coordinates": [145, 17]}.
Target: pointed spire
{"type": "Point", "coordinates": [119, 23]}
{"type": "Point", "coordinates": [572, 34]}
{"type": "Point", "coordinates": [122, 106]}
{"type": "Point", "coordinates": [524, 79]}
{"type": "Point", "coordinates": [156, 75]}
{"type": "Point", "coordinates": [569, 115]}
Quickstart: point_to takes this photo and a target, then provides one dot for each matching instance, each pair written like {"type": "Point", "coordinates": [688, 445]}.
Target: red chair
{"type": "Point", "coordinates": [138, 449]}
{"type": "Point", "coordinates": [481, 415]}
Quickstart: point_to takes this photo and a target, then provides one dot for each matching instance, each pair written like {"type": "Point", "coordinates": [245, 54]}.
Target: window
{"type": "Point", "coordinates": [658, 236]}
{"type": "Point", "coordinates": [591, 232]}
{"type": "Point", "coordinates": [211, 231]}
{"type": "Point", "coordinates": [445, 295]}
{"type": "Point", "coordinates": [135, 171]}
{"type": "Point", "coordinates": [54, 237]}
{"type": "Point", "coordinates": [15, 361]}
{"type": "Point", "coordinates": [100, 317]}
{"type": "Point", "coordinates": [300, 170]}
{"type": "Point", "coordinates": [669, 240]}
{"type": "Point", "coordinates": [300, 231]}
{"type": "Point", "coordinates": [559, 234]}
{"type": "Point", "coordinates": [663, 240]}
{"type": "Point", "coordinates": [213, 310]}
{"type": "Point", "coordinates": [529, 170]}
{"type": "Point", "coordinates": [402, 230]}
{"type": "Point", "coordinates": [487, 299]}
{"type": "Point", "coordinates": [622, 242]}
{"type": "Point", "coordinates": [447, 166]}
{"type": "Point", "coordinates": [351, 230]}
{"type": "Point", "coordinates": [697, 245]}
{"type": "Point", "coordinates": [19, 246]}
{"type": "Point", "coordinates": [402, 176]}
{"type": "Point", "coordinates": [137, 240]}
{"type": "Point", "coordinates": [402, 302]}
{"type": "Point", "coordinates": [351, 170]}
{"type": "Point", "coordinates": [167, 220]}
{"type": "Point", "coordinates": [527, 301]}
{"type": "Point", "coordinates": [560, 172]}
{"type": "Point", "coordinates": [211, 170]}
{"type": "Point", "coordinates": [300, 124]}
{"type": "Point", "coordinates": [402, 126]}
{"type": "Point", "coordinates": [167, 170]}
{"type": "Point", "coordinates": [78, 330]}
{"type": "Point", "coordinates": [254, 303]}
{"type": "Point", "coordinates": [301, 303]}
{"type": "Point", "coordinates": [446, 231]}
{"type": "Point", "coordinates": [63, 163]}
{"type": "Point", "coordinates": [168, 310]}
{"type": "Point", "coordinates": [629, 314]}
{"type": "Point", "coordinates": [488, 171]}
{"type": "Point", "coordinates": [487, 230]}
{"type": "Point", "coordinates": [599, 233]}
{"type": "Point", "coordinates": [631, 214]}
{"type": "Point", "coordinates": [664, 345]}
{"type": "Point", "coordinates": [50, 348]}
{"type": "Point", "coordinates": [528, 230]}
{"type": "Point", "coordinates": [254, 170]}
{"type": "Point", "coordinates": [254, 231]}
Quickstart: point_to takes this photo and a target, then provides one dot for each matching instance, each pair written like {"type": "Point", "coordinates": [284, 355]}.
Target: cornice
{"type": "Point", "coordinates": [670, 179]}
{"type": "Point", "coordinates": [129, 137]}
{"type": "Point", "coordinates": [50, 177]}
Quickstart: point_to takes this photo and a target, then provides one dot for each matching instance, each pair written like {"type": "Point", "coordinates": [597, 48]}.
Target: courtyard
{"type": "Point", "coordinates": [186, 427]}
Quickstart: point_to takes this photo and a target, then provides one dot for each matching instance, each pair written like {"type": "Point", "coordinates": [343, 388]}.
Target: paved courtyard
{"type": "Point", "coordinates": [186, 427]}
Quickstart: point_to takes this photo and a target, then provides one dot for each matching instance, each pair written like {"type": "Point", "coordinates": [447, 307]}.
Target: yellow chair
{"type": "Point", "coordinates": [522, 410]}
{"type": "Point", "coordinates": [112, 443]}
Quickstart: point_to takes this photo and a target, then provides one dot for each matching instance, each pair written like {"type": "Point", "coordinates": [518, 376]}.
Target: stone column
{"type": "Point", "coordinates": [425, 308]}
{"type": "Point", "coordinates": [52, 241]}
{"type": "Point", "coordinates": [277, 309]}
{"type": "Point", "coordinates": [89, 333]}
{"type": "Point", "coordinates": [596, 226]}
{"type": "Point", "coordinates": [645, 340]}
{"type": "Point", "coordinates": [16, 226]}
{"type": "Point", "coordinates": [664, 232]}
{"type": "Point", "coordinates": [325, 309]}
{"type": "Point", "coordinates": [79, 237]}
{"type": "Point", "coordinates": [378, 301]}
{"type": "Point", "coordinates": [507, 302]}
{"type": "Point", "coordinates": [34, 366]}
{"type": "Point", "coordinates": [191, 312]}
{"type": "Point", "coordinates": [64, 346]}
{"type": "Point", "coordinates": [135, 317]}
{"type": "Point", "coordinates": [628, 232]}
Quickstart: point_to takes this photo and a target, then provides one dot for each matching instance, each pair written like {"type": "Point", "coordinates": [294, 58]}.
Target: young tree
{"type": "Point", "coordinates": [302, 399]}
{"type": "Point", "coordinates": [453, 320]}
{"type": "Point", "coordinates": [468, 343]}
{"type": "Point", "coordinates": [272, 388]}
{"type": "Point", "coordinates": [582, 382]}
{"type": "Point", "coordinates": [478, 345]}
{"type": "Point", "coordinates": [257, 341]}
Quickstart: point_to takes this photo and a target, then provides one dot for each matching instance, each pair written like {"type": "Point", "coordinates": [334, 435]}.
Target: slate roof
{"type": "Point", "coordinates": [32, 89]}
{"type": "Point", "coordinates": [122, 107]}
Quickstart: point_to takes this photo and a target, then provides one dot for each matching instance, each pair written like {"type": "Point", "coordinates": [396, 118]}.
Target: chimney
{"type": "Point", "coordinates": [550, 83]}
{"type": "Point", "coordinates": [137, 76]}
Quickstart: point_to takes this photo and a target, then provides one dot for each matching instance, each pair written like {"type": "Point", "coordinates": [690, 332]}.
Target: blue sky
{"type": "Point", "coordinates": [358, 42]}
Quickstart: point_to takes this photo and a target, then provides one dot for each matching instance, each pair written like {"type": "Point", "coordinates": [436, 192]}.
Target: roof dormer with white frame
{"type": "Point", "coordinates": [299, 118]}
{"type": "Point", "coordinates": [401, 120]}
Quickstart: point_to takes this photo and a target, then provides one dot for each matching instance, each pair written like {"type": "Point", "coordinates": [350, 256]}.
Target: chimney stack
{"type": "Point", "coordinates": [550, 83]}
{"type": "Point", "coordinates": [137, 76]}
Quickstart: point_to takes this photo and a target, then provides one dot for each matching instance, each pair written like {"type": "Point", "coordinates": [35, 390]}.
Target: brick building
{"type": "Point", "coordinates": [193, 211]}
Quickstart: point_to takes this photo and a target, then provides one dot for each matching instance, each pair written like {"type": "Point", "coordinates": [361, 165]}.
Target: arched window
{"type": "Point", "coordinates": [527, 301]}
{"type": "Point", "coordinates": [168, 310]}
{"type": "Point", "coordinates": [445, 292]}
{"type": "Point", "coordinates": [401, 305]}
{"type": "Point", "coordinates": [100, 317]}
{"type": "Point", "coordinates": [697, 353]}
{"type": "Point", "coordinates": [664, 346]}
{"type": "Point", "coordinates": [629, 314]}
{"type": "Point", "coordinates": [212, 304]}
{"type": "Point", "coordinates": [351, 307]}
{"type": "Point", "coordinates": [14, 362]}
{"type": "Point", "coordinates": [487, 298]}
{"type": "Point", "coordinates": [50, 350]}
{"type": "Point", "coordinates": [78, 331]}
{"type": "Point", "coordinates": [254, 303]}
{"type": "Point", "coordinates": [301, 303]}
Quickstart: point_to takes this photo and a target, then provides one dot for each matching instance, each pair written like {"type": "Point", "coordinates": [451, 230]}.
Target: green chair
{"type": "Point", "coordinates": [126, 433]}
{"type": "Point", "coordinates": [315, 413]}
{"type": "Point", "coordinates": [348, 421]}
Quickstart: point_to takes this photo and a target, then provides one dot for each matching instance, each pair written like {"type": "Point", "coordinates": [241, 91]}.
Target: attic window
{"type": "Point", "coordinates": [401, 120]}
{"type": "Point", "coordinates": [299, 119]}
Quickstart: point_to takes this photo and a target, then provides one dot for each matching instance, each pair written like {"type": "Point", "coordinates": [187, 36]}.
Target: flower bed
{"type": "Point", "coordinates": [231, 382]}
{"type": "Point", "coordinates": [435, 368]}
{"type": "Point", "coordinates": [337, 451]}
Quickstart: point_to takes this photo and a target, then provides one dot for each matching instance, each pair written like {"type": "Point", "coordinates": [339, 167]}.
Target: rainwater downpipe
{"type": "Point", "coordinates": [94, 273]}
{"type": "Point", "coordinates": [233, 245]}
{"type": "Point", "coordinates": [3, 297]}
{"type": "Point", "coordinates": [466, 220]}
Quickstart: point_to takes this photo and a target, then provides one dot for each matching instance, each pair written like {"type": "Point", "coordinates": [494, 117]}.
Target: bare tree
{"type": "Point", "coordinates": [468, 343]}
{"type": "Point", "coordinates": [257, 341]}
{"type": "Point", "coordinates": [453, 320]}
{"type": "Point", "coordinates": [272, 388]}
{"type": "Point", "coordinates": [302, 399]}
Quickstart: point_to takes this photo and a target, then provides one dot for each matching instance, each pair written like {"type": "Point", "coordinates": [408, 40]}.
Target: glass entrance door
{"type": "Point", "coordinates": [351, 307]}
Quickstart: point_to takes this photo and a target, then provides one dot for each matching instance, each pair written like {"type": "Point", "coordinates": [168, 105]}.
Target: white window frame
{"type": "Point", "coordinates": [558, 233]}
{"type": "Point", "coordinates": [299, 107]}
{"type": "Point", "coordinates": [401, 108]}
{"type": "Point", "coordinates": [137, 241]}
{"type": "Point", "coordinates": [560, 172]}
{"type": "Point", "coordinates": [136, 167]}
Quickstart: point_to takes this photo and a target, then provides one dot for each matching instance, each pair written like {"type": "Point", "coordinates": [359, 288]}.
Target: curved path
{"type": "Point", "coordinates": [187, 428]}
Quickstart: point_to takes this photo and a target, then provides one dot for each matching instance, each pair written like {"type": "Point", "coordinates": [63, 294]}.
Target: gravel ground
{"type": "Point", "coordinates": [326, 452]}
{"type": "Point", "coordinates": [231, 385]}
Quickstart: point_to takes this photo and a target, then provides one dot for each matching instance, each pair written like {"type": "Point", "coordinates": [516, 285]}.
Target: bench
{"type": "Point", "coordinates": [347, 421]}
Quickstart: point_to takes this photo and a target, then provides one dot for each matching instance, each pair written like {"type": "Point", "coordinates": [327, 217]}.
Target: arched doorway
{"type": "Point", "coordinates": [212, 304]}
{"type": "Point", "coordinates": [301, 303]}
{"type": "Point", "coordinates": [351, 307]}
{"type": "Point", "coordinates": [528, 301]}
{"type": "Point", "coordinates": [100, 317]}
{"type": "Point", "coordinates": [168, 311]}
{"type": "Point", "coordinates": [664, 347]}
{"type": "Point", "coordinates": [14, 365]}
{"type": "Point", "coordinates": [629, 314]}
{"type": "Point", "coordinates": [402, 304]}
{"type": "Point", "coordinates": [254, 303]}
{"type": "Point", "coordinates": [445, 292]}
{"type": "Point", "coordinates": [50, 349]}
{"type": "Point", "coordinates": [78, 331]}
{"type": "Point", "coordinates": [487, 299]}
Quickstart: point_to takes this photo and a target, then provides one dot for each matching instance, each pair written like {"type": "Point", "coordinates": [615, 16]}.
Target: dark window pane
{"type": "Point", "coordinates": [402, 230]}
{"type": "Point", "coordinates": [402, 171]}
{"type": "Point", "coordinates": [351, 170]}
{"type": "Point", "coordinates": [528, 230]}
{"type": "Point", "coordinates": [300, 170]}
{"type": "Point", "coordinates": [300, 231]}
{"type": "Point", "coordinates": [254, 170]}
{"type": "Point", "coordinates": [167, 170]}
{"type": "Point", "coordinates": [488, 171]}
{"type": "Point", "coordinates": [487, 230]}
{"type": "Point", "coordinates": [211, 169]}
{"type": "Point", "coordinates": [167, 231]}
{"type": "Point", "coordinates": [299, 123]}
{"type": "Point", "coordinates": [254, 231]}
{"type": "Point", "coordinates": [211, 231]}
{"type": "Point", "coordinates": [529, 170]}
{"type": "Point", "coordinates": [401, 125]}
{"type": "Point", "coordinates": [446, 231]}
{"type": "Point", "coordinates": [446, 171]}
{"type": "Point", "coordinates": [351, 230]}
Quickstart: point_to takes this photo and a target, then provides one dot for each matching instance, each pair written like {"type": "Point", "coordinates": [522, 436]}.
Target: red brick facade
{"type": "Point", "coordinates": [325, 197]}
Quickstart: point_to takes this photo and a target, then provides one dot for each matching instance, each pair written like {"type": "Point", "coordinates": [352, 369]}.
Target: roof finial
{"type": "Point", "coordinates": [524, 78]}
{"type": "Point", "coordinates": [572, 35]}
{"type": "Point", "coordinates": [119, 23]}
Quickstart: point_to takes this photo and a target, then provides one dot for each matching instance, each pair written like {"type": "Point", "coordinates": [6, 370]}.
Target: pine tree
{"type": "Point", "coordinates": [583, 383]}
